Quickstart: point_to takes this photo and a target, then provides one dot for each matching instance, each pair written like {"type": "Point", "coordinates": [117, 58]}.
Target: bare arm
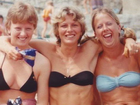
{"type": "Point", "coordinates": [129, 41]}
{"type": "Point", "coordinates": [130, 47]}
{"type": "Point", "coordinates": [6, 47]}
{"type": "Point", "coordinates": [138, 56]}
{"type": "Point", "coordinates": [40, 45]}
{"type": "Point", "coordinates": [46, 48]}
{"type": "Point", "coordinates": [43, 67]}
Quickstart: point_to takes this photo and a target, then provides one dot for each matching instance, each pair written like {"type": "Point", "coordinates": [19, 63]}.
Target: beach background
{"type": "Point", "coordinates": [128, 12]}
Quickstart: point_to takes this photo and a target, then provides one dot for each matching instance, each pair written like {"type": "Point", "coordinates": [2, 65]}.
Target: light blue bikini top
{"type": "Point", "coordinates": [128, 79]}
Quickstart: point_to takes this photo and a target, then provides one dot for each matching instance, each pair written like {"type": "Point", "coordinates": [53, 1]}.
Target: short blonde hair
{"type": "Point", "coordinates": [21, 12]}
{"type": "Point", "coordinates": [59, 16]}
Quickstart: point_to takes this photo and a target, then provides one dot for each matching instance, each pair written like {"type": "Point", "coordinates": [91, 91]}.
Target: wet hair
{"type": "Point", "coordinates": [59, 16]}
{"type": "Point", "coordinates": [21, 12]}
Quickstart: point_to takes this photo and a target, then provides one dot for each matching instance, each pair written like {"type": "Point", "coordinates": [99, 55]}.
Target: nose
{"type": "Point", "coordinates": [23, 32]}
{"type": "Point", "coordinates": [105, 27]}
{"type": "Point", "coordinates": [69, 28]}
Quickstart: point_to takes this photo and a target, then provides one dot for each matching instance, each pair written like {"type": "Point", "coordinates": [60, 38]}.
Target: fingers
{"type": "Point", "coordinates": [131, 50]}
{"type": "Point", "coordinates": [14, 54]}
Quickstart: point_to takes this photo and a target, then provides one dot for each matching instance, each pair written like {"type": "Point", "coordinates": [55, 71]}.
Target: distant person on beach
{"type": "Point", "coordinates": [2, 26]}
{"type": "Point", "coordinates": [46, 18]}
{"type": "Point", "coordinates": [117, 76]}
{"type": "Point", "coordinates": [87, 6]}
{"type": "Point", "coordinates": [73, 64]}
{"type": "Point", "coordinates": [97, 4]}
{"type": "Point", "coordinates": [21, 80]}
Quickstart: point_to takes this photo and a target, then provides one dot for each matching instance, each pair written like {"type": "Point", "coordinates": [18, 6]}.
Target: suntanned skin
{"type": "Point", "coordinates": [68, 59]}
{"type": "Point", "coordinates": [112, 63]}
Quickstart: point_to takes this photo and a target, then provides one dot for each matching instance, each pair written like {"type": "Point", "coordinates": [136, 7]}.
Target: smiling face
{"type": "Point", "coordinates": [64, 14]}
{"type": "Point", "coordinates": [21, 34]}
{"type": "Point", "coordinates": [106, 29]}
{"type": "Point", "coordinates": [70, 31]}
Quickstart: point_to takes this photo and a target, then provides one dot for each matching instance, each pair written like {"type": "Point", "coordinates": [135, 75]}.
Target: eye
{"type": "Point", "coordinates": [99, 26]}
{"type": "Point", "coordinates": [109, 23]}
{"type": "Point", "coordinates": [28, 29]}
{"type": "Point", "coordinates": [18, 28]}
{"type": "Point", "coordinates": [74, 25]}
{"type": "Point", "coordinates": [63, 25]}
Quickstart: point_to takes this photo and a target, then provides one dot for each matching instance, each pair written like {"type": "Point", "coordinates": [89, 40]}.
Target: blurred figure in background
{"type": "Point", "coordinates": [96, 3]}
{"type": "Point", "coordinates": [86, 6]}
{"type": "Point", "coordinates": [2, 27]}
{"type": "Point", "coordinates": [47, 17]}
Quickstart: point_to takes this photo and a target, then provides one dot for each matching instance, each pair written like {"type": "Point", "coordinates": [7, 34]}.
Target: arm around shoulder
{"type": "Point", "coordinates": [93, 45]}
{"type": "Point", "coordinates": [138, 53]}
{"type": "Point", "coordinates": [5, 43]}
{"type": "Point", "coordinates": [41, 46]}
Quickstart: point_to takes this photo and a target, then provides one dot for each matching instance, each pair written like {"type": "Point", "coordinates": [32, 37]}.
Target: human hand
{"type": "Point", "coordinates": [131, 47]}
{"type": "Point", "coordinates": [13, 53]}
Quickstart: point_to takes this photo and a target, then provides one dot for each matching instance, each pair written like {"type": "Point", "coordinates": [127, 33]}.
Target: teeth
{"type": "Point", "coordinates": [22, 38]}
{"type": "Point", "coordinates": [107, 35]}
{"type": "Point", "coordinates": [70, 36]}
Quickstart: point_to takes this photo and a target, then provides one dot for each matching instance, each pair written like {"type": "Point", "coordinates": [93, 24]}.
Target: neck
{"type": "Point", "coordinates": [114, 52]}
{"type": "Point", "coordinates": [68, 51]}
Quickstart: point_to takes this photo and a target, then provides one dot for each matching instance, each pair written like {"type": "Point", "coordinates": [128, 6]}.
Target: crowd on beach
{"type": "Point", "coordinates": [100, 69]}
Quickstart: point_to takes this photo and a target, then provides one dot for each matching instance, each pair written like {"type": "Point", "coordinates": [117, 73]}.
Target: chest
{"type": "Point", "coordinates": [116, 67]}
{"type": "Point", "coordinates": [15, 74]}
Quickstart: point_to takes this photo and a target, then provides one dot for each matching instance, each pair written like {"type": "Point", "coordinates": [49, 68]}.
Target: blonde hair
{"type": "Point", "coordinates": [59, 16]}
{"type": "Point", "coordinates": [128, 32]}
{"type": "Point", "coordinates": [21, 12]}
{"type": "Point", "coordinates": [104, 10]}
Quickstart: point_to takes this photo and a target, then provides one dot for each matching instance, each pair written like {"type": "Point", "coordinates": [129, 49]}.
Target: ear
{"type": "Point", "coordinates": [9, 32]}
{"type": "Point", "coordinates": [94, 34]}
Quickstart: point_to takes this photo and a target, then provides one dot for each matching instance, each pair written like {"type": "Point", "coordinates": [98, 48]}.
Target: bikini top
{"type": "Point", "coordinates": [30, 85]}
{"type": "Point", "coordinates": [83, 78]}
{"type": "Point", "coordinates": [128, 79]}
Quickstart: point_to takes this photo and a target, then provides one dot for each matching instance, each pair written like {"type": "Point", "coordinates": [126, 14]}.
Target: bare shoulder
{"type": "Point", "coordinates": [1, 54]}
{"type": "Point", "coordinates": [36, 43]}
{"type": "Point", "coordinates": [92, 46]}
{"type": "Point", "coordinates": [42, 63]}
{"type": "Point", "coordinates": [137, 55]}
